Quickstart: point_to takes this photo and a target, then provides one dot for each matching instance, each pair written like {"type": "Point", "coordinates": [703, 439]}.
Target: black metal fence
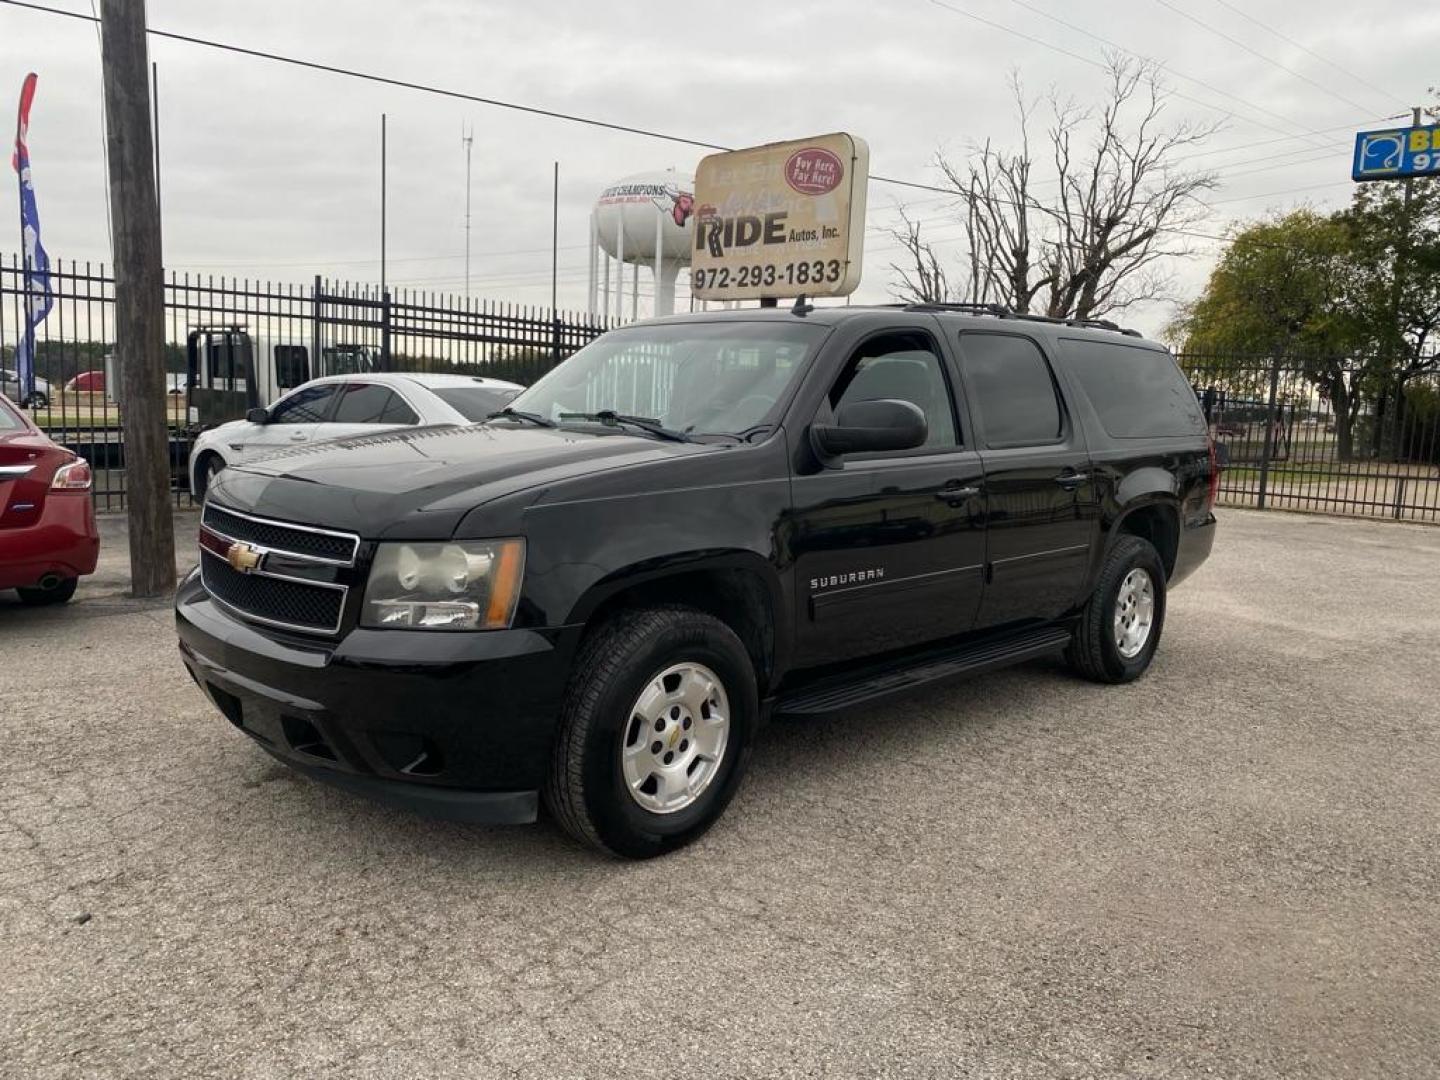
{"type": "Point", "coordinates": [1340, 435]}
{"type": "Point", "coordinates": [400, 330]}
{"type": "Point", "coordinates": [1336, 435]}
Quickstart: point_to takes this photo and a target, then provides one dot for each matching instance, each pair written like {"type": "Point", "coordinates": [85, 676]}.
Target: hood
{"type": "Point", "coordinates": [424, 480]}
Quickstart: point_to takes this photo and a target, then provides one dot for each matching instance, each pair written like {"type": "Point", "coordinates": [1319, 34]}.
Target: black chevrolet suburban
{"type": "Point", "coordinates": [596, 597]}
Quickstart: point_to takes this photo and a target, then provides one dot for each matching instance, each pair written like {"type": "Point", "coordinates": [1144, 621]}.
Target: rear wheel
{"type": "Point", "coordinates": [655, 731]}
{"type": "Point", "coordinates": [1120, 626]}
{"type": "Point", "coordinates": [43, 595]}
{"type": "Point", "coordinates": [37, 400]}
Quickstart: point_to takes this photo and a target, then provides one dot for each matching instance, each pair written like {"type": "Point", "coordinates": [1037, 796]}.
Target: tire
{"type": "Point", "coordinates": [587, 791]}
{"type": "Point", "coordinates": [1094, 651]}
{"type": "Point", "coordinates": [57, 594]}
{"type": "Point", "coordinates": [37, 400]}
{"type": "Point", "coordinates": [206, 469]}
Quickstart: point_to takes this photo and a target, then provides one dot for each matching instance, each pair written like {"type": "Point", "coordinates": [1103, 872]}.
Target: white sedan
{"type": "Point", "coordinates": [341, 405]}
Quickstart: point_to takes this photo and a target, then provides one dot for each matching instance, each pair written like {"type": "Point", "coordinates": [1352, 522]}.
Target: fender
{"type": "Point", "coordinates": [1149, 483]}
{"type": "Point", "coordinates": [1146, 486]}
{"type": "Point", "coordinates": [651, 572]}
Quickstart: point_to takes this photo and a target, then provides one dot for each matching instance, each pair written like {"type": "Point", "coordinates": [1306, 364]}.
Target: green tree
{"type": "Point", "coordinates": [1289, 288]}
{"type": "Point", "coordinates": [1395, 237]}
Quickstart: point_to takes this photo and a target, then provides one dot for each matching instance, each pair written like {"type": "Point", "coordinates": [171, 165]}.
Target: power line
{"type": "Point", "coordinates": [1307, 50]}
{"type": "Point", "coordinates": [1256, 52]}
{"type": "Point", "coordinates": [404, 84]}
{"type": "Point", "coordinates": [1273, 159]}
{"type": "Point", "coordinates": [1091, 62]}
{"type": "Point", "coordinates": [590, 121]}
{"type": "Point", "coordinates": [1075, 28]}
{"type": "Point", "coordinates": [530, 109]}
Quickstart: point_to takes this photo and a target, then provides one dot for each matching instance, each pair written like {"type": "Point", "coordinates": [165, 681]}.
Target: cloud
{"type": "Point", "coordinates": [271, 171]}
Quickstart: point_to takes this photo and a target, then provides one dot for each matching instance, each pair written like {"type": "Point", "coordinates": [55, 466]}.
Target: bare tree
{"type": "Point", "coordinates": [921, 278]}
{"type": "Point", "coordinates": [1094, 237]}
{"type": "Point", "coordinates": [999, 208]}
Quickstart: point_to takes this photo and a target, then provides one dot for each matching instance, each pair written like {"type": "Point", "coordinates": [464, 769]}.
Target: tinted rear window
{"type": "Point", "coordinates": [474, 402]}
{"type": "Point", "coordinates": [1137, 392]}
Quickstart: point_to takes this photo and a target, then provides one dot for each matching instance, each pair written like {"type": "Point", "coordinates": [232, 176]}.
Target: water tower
{"type": "Point", "coordinates": [643, 219]}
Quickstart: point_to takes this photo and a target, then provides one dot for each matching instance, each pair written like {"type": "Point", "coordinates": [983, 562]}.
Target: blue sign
{"type": "Point", "coordinates": [1397, 153]}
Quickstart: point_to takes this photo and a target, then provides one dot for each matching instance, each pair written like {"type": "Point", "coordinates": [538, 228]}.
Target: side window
{"type": "Point", "coordinates": [292, 366]}
{"type": "Point", "coordinates": [307, 406]}
{"type": "Point", "coordinates": [902, 366]}
{"type": "Point", "coordinates": [1137, 392]}
{"type": "Point", "coordinates": [363, 403]}
{"type": "Point", "coordinates": [1011, 389]}
{"type": "Point", "coordinates": [397, 412]}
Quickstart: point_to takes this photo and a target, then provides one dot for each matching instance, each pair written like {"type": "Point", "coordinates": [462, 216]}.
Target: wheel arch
{"type": "Point", "coordinates": [205, 454]}
{"type": "Point", "coordinates": [739, 588]}
{"type": "Point", "coordinates": [1154, 518]}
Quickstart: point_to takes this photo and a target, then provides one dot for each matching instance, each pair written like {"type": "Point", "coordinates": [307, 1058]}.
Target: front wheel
{"type": "Point", "coordinates": [1120, 626]}
{"type": "Point", "coordinates": [655, 731]}
{"type": "Point", "coordinates": [36, 400]}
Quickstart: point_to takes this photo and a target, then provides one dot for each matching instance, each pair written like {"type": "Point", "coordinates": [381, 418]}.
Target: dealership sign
{"type": "Point", "coordinates": [787, 219]}
{"type": "Point", "coordinates": [1397, 153]}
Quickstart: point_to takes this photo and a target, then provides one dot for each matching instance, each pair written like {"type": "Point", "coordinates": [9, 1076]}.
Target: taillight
{"type": "Point", "coordinates": [73, 477]}
{"type": "Point", "coordinates": [1213, 491]}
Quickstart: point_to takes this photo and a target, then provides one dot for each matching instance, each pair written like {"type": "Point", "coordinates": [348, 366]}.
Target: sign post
{"type": "Point", "coordinates": [782, 220]}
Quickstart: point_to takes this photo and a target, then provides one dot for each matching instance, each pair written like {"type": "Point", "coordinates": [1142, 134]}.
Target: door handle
{"type": "Point", "coordinates": [299, 436]}
{"type": "Point", "coordinates": [956, 495]}
{"type": "Point", "coordinates": [1071, 480]}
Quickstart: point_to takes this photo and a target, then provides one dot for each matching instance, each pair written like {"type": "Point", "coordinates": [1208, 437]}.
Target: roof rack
{"type": "Point", "coordinates": [1000, 311]}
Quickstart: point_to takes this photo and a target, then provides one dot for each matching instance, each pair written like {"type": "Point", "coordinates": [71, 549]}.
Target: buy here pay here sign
{"type": "Point", "coordinates": [782, 220]}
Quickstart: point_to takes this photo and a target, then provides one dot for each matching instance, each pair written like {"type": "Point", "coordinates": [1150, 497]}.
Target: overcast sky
{"type": "Point", "coordinates": [272, 172]}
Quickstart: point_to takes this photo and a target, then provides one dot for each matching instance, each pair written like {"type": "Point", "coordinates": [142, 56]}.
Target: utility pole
{"type": "Point", "coordinates": [382, 204]}
{"type": "Point", "coordinates": [1397, 286]}
{"type": "Point", "coordinates": [467, 140]}
{"type": "Point", "coordinates": [384, 293]}
{"type": "Point", "coordinates": [139, 297]}
{"type": "Point", "coordinates": [155, 127]}
{"type": "Point", "coordinates": [555, 241]}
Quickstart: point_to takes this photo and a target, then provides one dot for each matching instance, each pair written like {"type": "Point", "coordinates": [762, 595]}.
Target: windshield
{"type": "Point", "coordinates": [700, 378]}
{"type": "Point", "coordinates": [474, 402]}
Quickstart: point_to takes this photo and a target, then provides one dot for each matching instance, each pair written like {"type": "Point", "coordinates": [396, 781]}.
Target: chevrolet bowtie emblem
{"type": "Point", "coordinates": [242, 557]}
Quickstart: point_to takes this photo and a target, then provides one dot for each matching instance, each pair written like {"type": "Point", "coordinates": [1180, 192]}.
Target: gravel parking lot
{"type": "Point", "coordinates": [1229, 868]}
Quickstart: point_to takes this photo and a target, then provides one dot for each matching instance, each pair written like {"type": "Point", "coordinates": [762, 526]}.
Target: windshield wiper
{"type": "Point", "coordinates": [611, 418]}
{"type": "Point", "coordinates": [515, 414]}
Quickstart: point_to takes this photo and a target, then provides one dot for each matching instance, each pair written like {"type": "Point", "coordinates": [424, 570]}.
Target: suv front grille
{"type": "Point", "coordinates": [285, 602]}
{"type": "Point", "coordinates": [322, 544]}
{"type": "Point", "coordinates": [288, 576]}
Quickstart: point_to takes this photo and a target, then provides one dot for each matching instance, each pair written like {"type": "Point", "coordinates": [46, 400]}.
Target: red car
{"type": "Point", "coordinates": [87, 382]}
{"type": "Point", "coordinates": [48, 538]}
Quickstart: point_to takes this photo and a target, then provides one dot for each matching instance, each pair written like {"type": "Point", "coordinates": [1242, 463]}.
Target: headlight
{"type": "Point", "coordinates": [464, 585]}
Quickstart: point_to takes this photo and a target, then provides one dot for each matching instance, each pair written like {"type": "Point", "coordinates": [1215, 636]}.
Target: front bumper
{"type": "Point", "coordinates": [455, 725]}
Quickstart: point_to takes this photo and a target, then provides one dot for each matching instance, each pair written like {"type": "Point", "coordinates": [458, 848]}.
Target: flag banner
{"type": "Point", "coordinates": [38, 297]}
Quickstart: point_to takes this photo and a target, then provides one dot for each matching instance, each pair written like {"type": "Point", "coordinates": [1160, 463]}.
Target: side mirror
{"type": "Point", "coordinates": [871, 427]}
{"type": "Point", "coordinates": [258, 416]}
